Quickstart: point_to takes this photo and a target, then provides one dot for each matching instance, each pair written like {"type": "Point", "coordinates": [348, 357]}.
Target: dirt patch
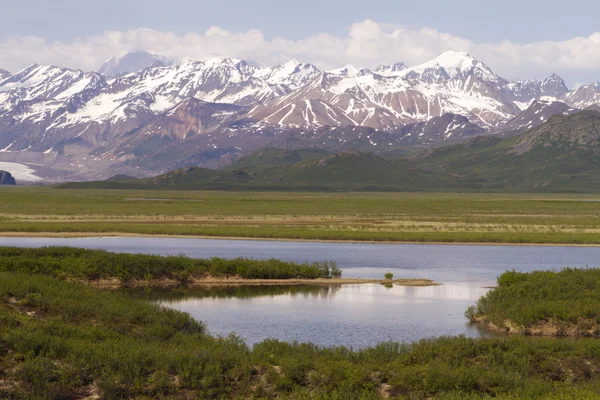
{"type": "Point", "coordinates": [238, 281]}
{"type": "Point", "coordinates": [582, 328]}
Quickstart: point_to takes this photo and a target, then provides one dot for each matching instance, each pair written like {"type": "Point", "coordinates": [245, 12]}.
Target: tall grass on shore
{"type": "Point", "coordinates": [90, 265]}
{"type": "Point", "coordinates": [303, 233]}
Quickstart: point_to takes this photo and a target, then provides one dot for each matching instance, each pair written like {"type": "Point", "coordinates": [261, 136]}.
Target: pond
{"type": "Point", "coordinates": [351, 315]}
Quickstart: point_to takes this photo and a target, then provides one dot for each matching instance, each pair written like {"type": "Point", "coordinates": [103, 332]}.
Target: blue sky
{"type": "Point", "coordinates": [519, 21]}
{"type": "Point", "coordinates": [516, 38]}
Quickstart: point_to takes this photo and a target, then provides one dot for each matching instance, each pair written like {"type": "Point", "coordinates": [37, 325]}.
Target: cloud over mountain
{"type": "Point", "coordinates": [365, 44]}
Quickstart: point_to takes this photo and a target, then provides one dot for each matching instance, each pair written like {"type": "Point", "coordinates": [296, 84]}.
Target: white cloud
{"type": "Point", "coordinates": [366, 44]}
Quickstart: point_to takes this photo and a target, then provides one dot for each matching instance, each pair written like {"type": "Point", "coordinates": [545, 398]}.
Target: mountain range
{"type": "Point", "coordinates": [560, 155]}
{"type": "Point", "coordinates": [143, 114]}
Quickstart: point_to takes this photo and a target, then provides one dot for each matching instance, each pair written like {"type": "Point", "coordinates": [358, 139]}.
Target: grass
{"type": "Point", "coordinates": [62, 340]}
{"type": "Point", "coordinates": [411, 217]}
{"type": "Point", "coordinates": [563, 303]}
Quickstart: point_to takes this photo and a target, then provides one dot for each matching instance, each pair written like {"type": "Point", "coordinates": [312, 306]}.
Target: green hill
{"type": "Point", "coordinates": [561, 155]}
{"type": "Point", "coordinates": [274, 157]}
{"type": "Point", "coordinates": [349, 170]}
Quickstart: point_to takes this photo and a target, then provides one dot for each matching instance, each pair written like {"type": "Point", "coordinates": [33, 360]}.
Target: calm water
{"type": "Point", "coordinates": [353, 315]}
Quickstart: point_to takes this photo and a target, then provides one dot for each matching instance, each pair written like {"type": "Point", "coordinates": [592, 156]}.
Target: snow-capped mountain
{"type": "Point", "coordinates": [391, 69]}
{"type": "Point", "coordinates": [133, 62]}
{"type": "Point", "coordinates": [452, 83]}
{"type": "Point", "coordinates": [145, 113]}
{"type": "Point", "coordinates": [4, 74]}
{"type": "Point", "coordinates": [292, 74]}
{"type": "Point", "coordinates": [584, 96]}
{"type": "Point", "coordinates": [538, 112]}
{"type": "Point", "coordinates": [552, 88]}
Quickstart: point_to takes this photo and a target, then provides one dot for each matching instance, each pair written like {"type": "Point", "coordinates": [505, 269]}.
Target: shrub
{"type": "Point", "coordinates": [66, 262]}
{"type": "Point", "coordinates": [570, 296]}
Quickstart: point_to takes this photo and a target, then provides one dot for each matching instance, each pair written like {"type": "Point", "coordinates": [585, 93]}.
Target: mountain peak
{"type": "Point", "coordinates": [455, 60]}
{"type": "Point", "coordinates": [454, 56]}
{"type": "Point", "coordinates": [390, 69]}
{"type": "Point", "coordinates": [294, 61]}
{"type": "Point", "coordinates": [214, 62]}
{"type": "Point", "coordinates": [133, 61]}
{"type": "Point", "coordinates": [554, 86]}
{"type": "Point", "coordinates": [454, 64]}
{"type": "Point", "coordinates": [349, 70]}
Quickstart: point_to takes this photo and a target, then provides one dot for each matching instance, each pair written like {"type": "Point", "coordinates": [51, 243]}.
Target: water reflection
{"type": "Point", "coordinates": [179, 293]}
{"type": "Point", "coordinates": [350, 315]}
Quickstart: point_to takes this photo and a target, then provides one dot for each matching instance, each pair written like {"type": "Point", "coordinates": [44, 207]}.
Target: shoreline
{"type": "Point", "coordinates": [584, 328]}
{"type": "Point", "coordinates": [166, 283]}
{"type": "Point", "coordinates": [81, 235]}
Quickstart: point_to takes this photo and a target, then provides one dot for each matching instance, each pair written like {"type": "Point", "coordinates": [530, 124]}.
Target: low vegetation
{"type": "Point", "coordinates": [61, 340]}
{"type": "Point", "coordinates": [410, 217]}
{"type": "Point", "coordinates": [93, 265]}
{"type": "Point", "coordinates": [548, 303]}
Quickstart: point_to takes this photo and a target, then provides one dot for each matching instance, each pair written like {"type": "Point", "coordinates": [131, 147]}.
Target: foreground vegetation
{"type": "Point", "coordinates": [548, 303]}
{"type": "Point", "coordinates": [410, 217]}
{"type": "Point", "coordinates": [64, 340]}
{"type": "Point", "coordinates": [93, 265]}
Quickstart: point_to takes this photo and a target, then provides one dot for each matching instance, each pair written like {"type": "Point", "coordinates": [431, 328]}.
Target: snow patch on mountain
{"type": "Point", "coordinates": [20, 172]}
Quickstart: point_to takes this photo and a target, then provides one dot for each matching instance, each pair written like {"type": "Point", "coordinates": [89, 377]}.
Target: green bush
{"type": "Point", "coordinates": [73, 263]}
{"type": "Point", "coordinates": [569, 296]}
{"type": "Point", "coordinates": [389, 276]}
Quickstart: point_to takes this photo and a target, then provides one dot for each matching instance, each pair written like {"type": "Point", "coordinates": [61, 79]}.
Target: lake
{"type": "Point", "coordinates": [351, 315]}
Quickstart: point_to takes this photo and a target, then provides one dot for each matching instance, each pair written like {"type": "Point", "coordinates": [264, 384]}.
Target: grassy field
{"type": "Point", "coordinates": [411, 217]}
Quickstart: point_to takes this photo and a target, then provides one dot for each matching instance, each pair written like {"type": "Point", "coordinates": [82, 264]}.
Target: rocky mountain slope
{"type": "Point", "coordinates": [143, 114]}
{"type": "Point", "coordinates": [538, 112]}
